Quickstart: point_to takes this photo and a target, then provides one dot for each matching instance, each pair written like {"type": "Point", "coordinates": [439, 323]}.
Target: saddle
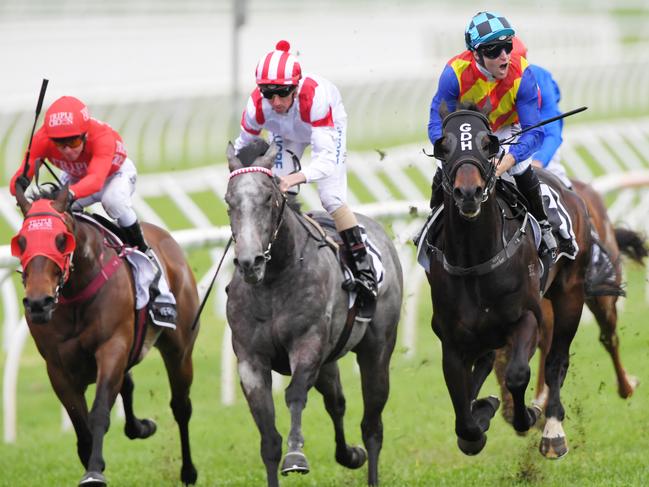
{"type": "Point", "coordinates": [326, 228]}
{"type": "Point", "coordinates": [113, 237]}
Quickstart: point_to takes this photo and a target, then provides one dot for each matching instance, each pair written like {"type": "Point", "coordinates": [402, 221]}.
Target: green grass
{"type": "Point", "coordinates": [607, 435]}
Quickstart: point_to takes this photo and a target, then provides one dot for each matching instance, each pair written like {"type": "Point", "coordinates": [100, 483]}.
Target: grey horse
{"type": "Point", "coordinates": [287, 312]}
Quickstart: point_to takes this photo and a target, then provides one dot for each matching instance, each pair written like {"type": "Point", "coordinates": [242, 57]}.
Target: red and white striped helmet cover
{"type": "Point", "coordinates": [278, 67]}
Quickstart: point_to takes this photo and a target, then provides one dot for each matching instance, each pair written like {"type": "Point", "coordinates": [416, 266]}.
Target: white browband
{"type": "Point", "coordinates": [245, 170]}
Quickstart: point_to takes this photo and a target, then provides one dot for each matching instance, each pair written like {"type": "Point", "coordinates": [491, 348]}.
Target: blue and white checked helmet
{"type": "Point", "coordinates": [486, 27]}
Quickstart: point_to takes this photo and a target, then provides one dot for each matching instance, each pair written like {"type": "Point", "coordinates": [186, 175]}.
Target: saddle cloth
{"type": "Point", "coordinates": [144, 271]}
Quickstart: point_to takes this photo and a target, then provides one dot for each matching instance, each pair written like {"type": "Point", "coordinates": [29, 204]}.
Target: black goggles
{"type": "Point", "coordinates": [492, 51]}
{"type": "Point", "coordinates": [270, 91]}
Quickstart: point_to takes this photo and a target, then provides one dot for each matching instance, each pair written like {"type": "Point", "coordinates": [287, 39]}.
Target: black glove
{"type": "Point", "coordinates": [72, 204]}
{"type": "Point", "coordinates": [23, 182]}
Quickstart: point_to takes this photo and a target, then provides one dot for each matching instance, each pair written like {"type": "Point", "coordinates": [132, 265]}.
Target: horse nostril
{"type": "Point", "coordinates": [457, 193]}
{"type": "Point", "coordinates": [38, 305]}
{"type": "Point", "coordinates": [259, 260]}
{"type": "Point", "coordinates": [236, 262]}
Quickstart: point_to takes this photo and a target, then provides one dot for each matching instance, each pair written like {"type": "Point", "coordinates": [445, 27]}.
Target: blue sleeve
{"type": "Point", "coordinates": [550, 96]}
{"type": "Point", "coordinates": [527, 106]}
{"type": "Point", "coordinates": [448, 90]}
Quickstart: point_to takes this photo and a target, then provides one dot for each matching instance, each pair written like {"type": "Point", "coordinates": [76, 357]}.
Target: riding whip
{"type": "Point", "coordinates": [207, 293]}
{"type": "Point", "coordinates": [39, 105]}
{"type": "Point", "coordinates": [507, 140]}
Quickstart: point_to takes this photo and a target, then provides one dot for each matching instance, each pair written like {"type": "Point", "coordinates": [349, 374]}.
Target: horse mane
{"type": "Point", "coordinates": [249, 154]}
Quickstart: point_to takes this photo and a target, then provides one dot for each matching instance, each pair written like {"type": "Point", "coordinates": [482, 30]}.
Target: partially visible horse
{"type": "Point", "coordinates": [86, 332]}
{"type": "Point", "coordinates": [288, 313]}
{"type": "Point", "coordinates": [615, 242]}
{"type": "Point", "coordinates": [484, 275]}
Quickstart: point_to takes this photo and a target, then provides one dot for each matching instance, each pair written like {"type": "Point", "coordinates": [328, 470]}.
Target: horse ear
{"type": "Point", "coordinates": [21, 199]}
{"type": "Point", "coordinates": [233, 160]}
{"type": "Point", "coordinates": [443, 109]}
{"type": "Point", "coordinates": [440, 151]}
{"type": "Point", "coordinates": [59, 203]}
{"type": "Point", "coordinates": [493, 144]}
{"type": "Point", "coordinates": [268, 158]}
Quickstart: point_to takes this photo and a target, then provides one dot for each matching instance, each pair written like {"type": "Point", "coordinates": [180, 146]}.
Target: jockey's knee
{"type": "Point", "coordinates": [117, 208]}
{"type": "Point", "coordinates": [344, 217]}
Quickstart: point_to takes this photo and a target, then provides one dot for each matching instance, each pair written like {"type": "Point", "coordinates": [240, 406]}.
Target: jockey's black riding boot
{"type": "Point", "coordinates": [528, 184]}
{"type": "Point", "coordinates": [437, 191]}
{"type": "Point", "coordinates": [363, 270]}
{"type": "Point", "coordinates": [135, 237]}
{"type": "Point", "coordinates": [163, 313]}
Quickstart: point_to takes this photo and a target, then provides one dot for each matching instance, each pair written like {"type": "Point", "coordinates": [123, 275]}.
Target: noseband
{"type": "Point", "coordinates": [280, 217]}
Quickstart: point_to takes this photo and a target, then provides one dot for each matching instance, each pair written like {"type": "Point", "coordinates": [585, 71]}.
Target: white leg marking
{"type": "Point", "coordinates": [250, 379]}
{"type": "Point", "coordinates": [553, 429]}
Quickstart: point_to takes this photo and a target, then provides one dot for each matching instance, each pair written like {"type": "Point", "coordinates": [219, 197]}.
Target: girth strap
{"type": "Point", "coordinates": [485, 267]}
{"type": "Point", "coordinates": [344, 336]}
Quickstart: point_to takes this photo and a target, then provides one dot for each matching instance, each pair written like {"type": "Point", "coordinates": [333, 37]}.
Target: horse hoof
{"type": "Point", "coordinates": [553, 448]}
{"type": "Point", "coordinates": [471, 447]}
{"type": "Point", "coordinates": [632, 383]}
{"type": "Point", "coordinates": [140, 429]}
{"type": "Point", "coordinates": [295, 462]}
{"type": "Point", "coordinates": [483, 410]}
{"type": "Point", "coordinates": [352, 457]}
{"type": "Point", "coordinates": [93, 479]}
{"type": "Point", "coordinates": [188, 475]}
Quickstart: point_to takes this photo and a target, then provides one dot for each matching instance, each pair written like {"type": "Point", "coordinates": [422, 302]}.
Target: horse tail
{"type": "Point", "coordinates": [632, 244]}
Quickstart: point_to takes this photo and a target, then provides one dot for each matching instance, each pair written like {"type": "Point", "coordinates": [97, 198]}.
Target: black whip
{"type": "Point", "coordinates": [209, 289]}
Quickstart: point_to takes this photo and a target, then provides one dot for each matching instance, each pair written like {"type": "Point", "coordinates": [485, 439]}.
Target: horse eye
{"type": "Point", "coordinates": [61, 240]}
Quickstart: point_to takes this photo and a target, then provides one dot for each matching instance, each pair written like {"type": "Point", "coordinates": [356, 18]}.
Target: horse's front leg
{"type": "Point", "coordinates": [305, 361]}
{"type": "Point", "coordinates": [517, 373]}
{"type": "Point", "coordinates": [73, 399]}
{"type": "Point", "coordinates": [111, 366]}
{"type": "Point", "coordinates": [458, 377]}
{"type": "Point", "coordinates": [256, 383]}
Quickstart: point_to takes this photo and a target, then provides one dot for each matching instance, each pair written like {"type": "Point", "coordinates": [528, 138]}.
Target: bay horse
{"type": "Point", "coordinates": [88, 337]}
{"type": "Point", "coordinates": [484, 275]}
{"type": "Point", "coordinates": [615, 241]}
{"type": "Point", "coordinates": [288, 312]}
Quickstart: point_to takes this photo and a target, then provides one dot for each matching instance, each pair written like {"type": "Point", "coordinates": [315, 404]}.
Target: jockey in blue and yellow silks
{"type": "Point", "coordinates": [489, 74]}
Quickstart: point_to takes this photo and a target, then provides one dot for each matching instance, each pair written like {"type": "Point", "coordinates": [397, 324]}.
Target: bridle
{"type": "Point", "coordinates": [456, 155]}
{"type": "Point", "coordinates": [65, 263]}
{"type": "Point", "coordinates": [280, 217]}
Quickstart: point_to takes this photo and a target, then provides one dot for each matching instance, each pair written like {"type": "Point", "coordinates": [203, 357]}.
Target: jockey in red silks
{"type": "Point", "coordinates": [299, 110]}
{"type": "Point", "coordinates": [94, 162]}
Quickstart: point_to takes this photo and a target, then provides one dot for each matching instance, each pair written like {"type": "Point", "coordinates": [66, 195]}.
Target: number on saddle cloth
{"type": "Point", "coordinates": [560, 221]}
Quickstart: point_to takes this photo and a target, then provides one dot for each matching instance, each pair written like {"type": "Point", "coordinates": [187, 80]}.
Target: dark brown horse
{"type": "Point", "coordinates": [91, 340]}
{"type": "Point", "coordinates": [484, 275]}
{"type": "Point", "coordinates": [615, 242]}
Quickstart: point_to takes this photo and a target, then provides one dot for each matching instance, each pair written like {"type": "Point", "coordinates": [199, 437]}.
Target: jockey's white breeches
{"type": "Point", "coordinates": [556, 168]}
{"type": "Point", "coordinates": [115, 196]}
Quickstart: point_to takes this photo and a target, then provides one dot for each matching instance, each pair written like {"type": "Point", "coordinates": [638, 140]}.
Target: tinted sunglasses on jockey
{"type": "Point", "coordinates": [492, 51]}
{"type": "Point", "coordinates": [268, 91]}
{"type": "Point", "coordinates": [71, 142]}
